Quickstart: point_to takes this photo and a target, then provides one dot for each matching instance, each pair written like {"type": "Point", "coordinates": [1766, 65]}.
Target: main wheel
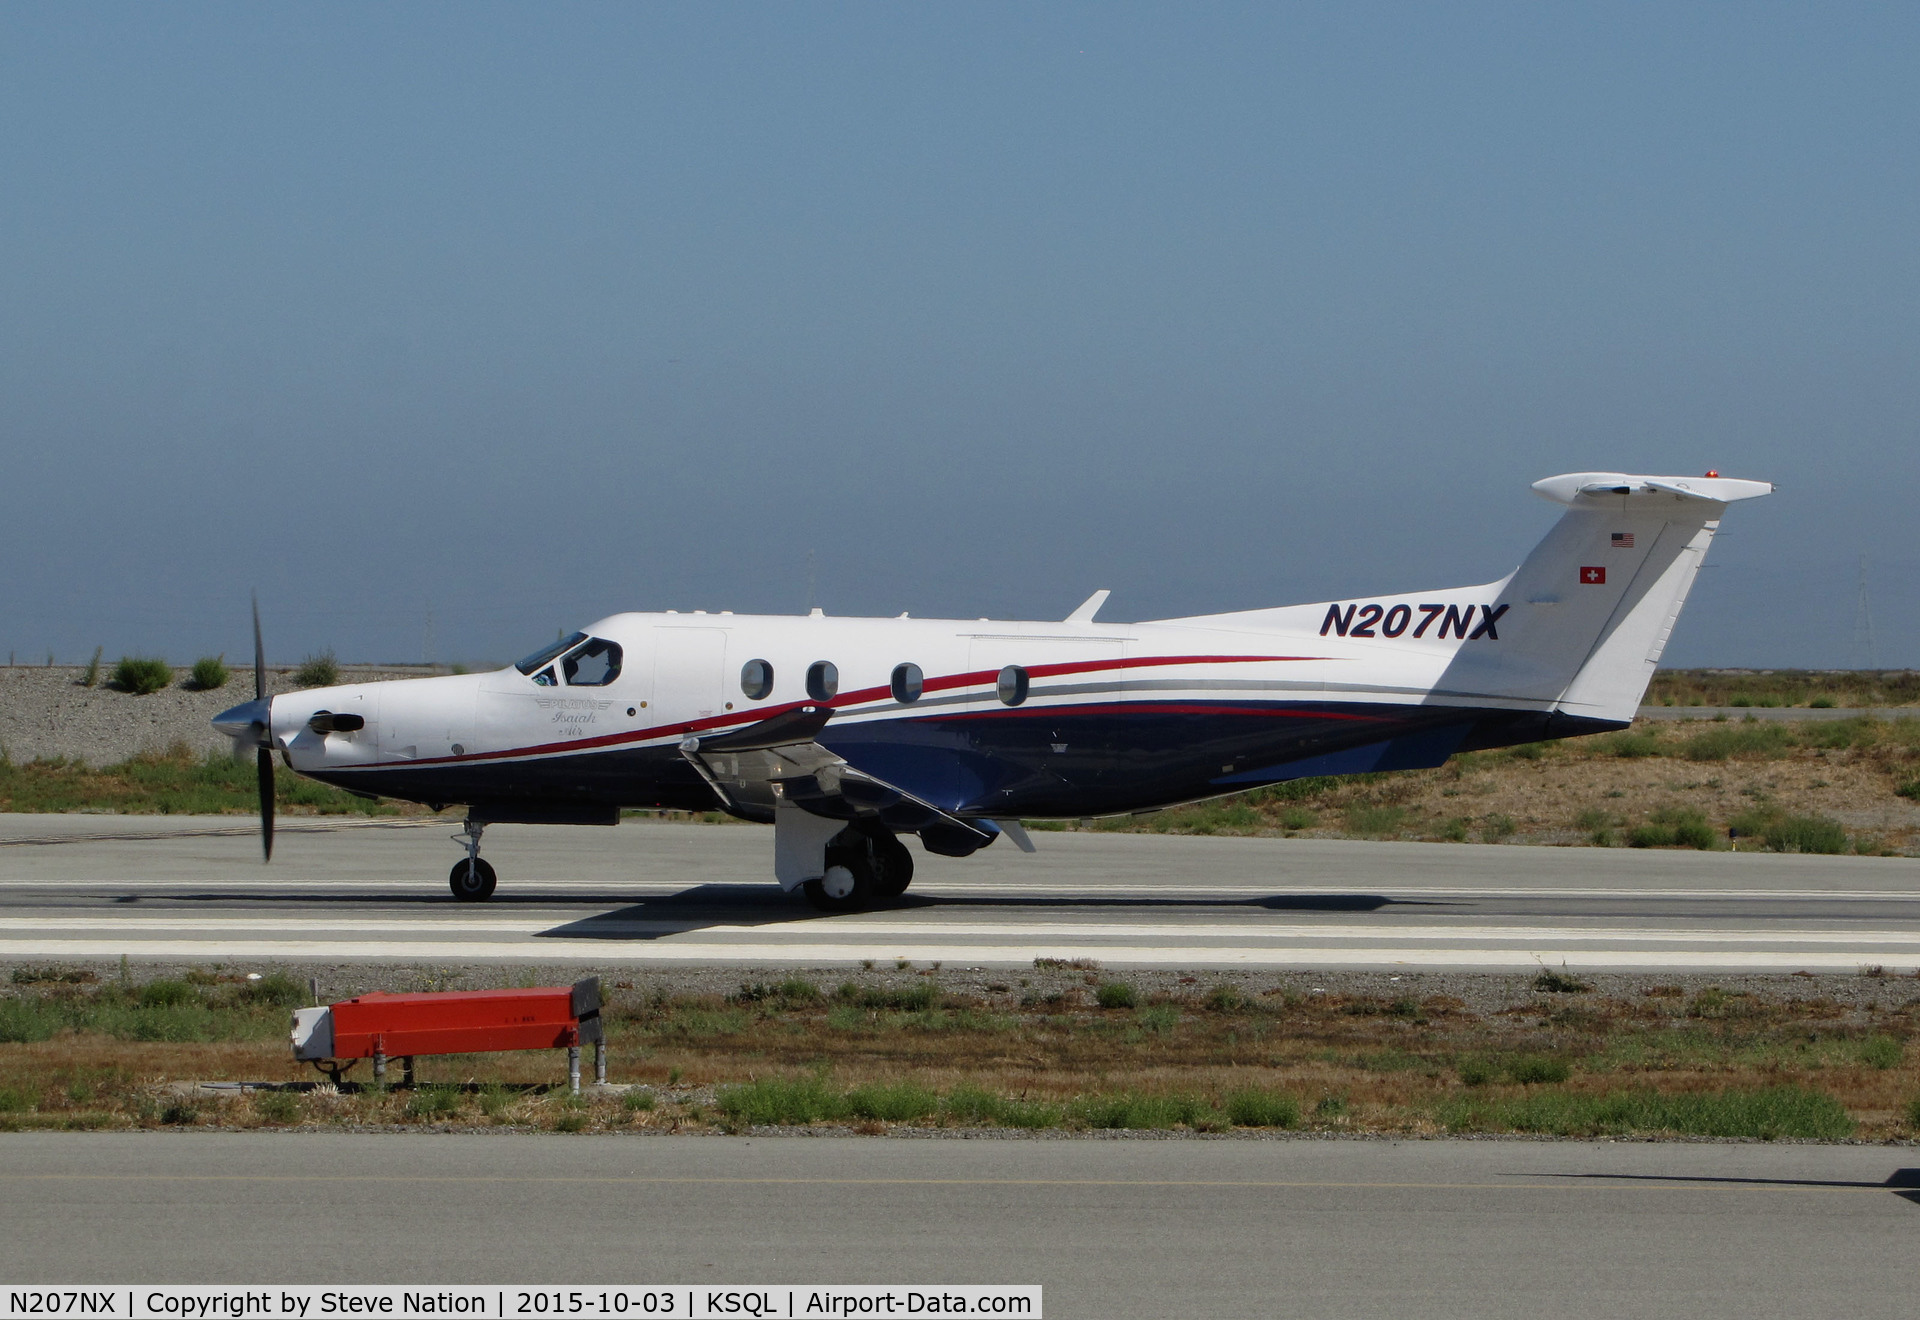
{"type": "Point", "coordinates": [472, 880]}
{"type": "Point", "coordinates": [894, 867]}
{"type": "Point", "coordinates": [848, 884]}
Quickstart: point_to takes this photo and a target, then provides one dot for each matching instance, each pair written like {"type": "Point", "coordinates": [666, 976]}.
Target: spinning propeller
{"type": "Point", "coordinates": [250, 724]}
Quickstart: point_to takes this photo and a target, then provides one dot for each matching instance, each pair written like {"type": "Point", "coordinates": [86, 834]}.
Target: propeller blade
{"type": "Point", "coordinates": [264, 762]}
{"type": "Point", "coordinates": [259, 654]}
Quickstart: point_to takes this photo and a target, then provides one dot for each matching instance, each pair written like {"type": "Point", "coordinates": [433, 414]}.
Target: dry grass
{"type": "Point", "coordinates": [1784, 687]}
{"type": "Point", "coordinates": [1567, 1061]}
{"type": "Point", "coordinates": [1598, 790]}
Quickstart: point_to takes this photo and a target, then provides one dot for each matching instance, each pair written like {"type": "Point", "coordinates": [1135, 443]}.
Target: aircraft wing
{"type": "Point", "coordinates": [778, 761]}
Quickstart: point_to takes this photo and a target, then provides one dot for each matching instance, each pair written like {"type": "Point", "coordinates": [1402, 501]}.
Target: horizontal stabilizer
{"type": "Point", "coordinates": [1588, 489]}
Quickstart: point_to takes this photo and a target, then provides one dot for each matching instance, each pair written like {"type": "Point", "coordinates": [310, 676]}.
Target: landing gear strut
{"type": "Point", "coordinates": [862, 866]}
{"type": "Point", "coordinates": [472, 879]}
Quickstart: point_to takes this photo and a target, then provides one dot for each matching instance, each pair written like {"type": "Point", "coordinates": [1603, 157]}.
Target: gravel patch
{"type": "Point", "coordinates": [48, 713]}
{"type": "Point", "coordinates": [1482, 993]}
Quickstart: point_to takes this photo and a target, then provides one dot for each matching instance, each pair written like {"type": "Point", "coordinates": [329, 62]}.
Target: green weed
{"type": "Point", "coordinates": [1225, 998]}
{"type": "Point", "coordinates": [142, 675]}
{"type": "Point", "coordinates": [972, 1104]}
{"type": "Point", "coordinates": [1254, 1108]}
{"type": "Point", "coordinates": [1495, 829]}
{"type": "Point", "coordinates": [1160, 1019]}
{"type": "Point", "coordinates": [781, 1100]}
{"type": "Point", "coordinates": [276, 1106]}
{"type": "Point", "coordinates": [318, 671]}
{"type": "Point", "coordinates": [165, 994]}
{"type": "Point", "coordinates": [1739, 740]}
{"type": "Point", "coordinates": [1882, 1052]}
{"type": "Point", "coordinates": [1116, 994]}
{"type": "Point", "coordinates": [1766, 1114]}
{"type": "Point", "coordinates": [275, 990]}
{"type": "Point", "coordinates": [1806, 834]}
{"type": "Point", "coordinates": [1374, 822]}
{"type": "Point", "coordinates": [901, 1102]}
{"type": "Point", "coordinates": [432, 1102]}
{"type": "Point", "coordinates": [1136, 1111]}
{"type": "Point", "coordinates": [51, 975]}
{"type": "Point", "coordinates": [1629, 744]}
{"type": "Point", "coordinates": [1673, 827]}
{"type": "Point", "coordinates": [28, 1021]}
{"type": "Point", "coordinates": [210, 672]}
{"type": "Point", "coordinates": [1537, 1069]}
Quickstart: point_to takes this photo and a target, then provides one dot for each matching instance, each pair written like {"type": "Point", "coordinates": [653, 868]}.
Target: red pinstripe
{"type": "Point", "coordinates": [864, 695]}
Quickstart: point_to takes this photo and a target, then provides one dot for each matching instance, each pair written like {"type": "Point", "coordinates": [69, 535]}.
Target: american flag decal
{"type": "Point", "coordinates": [1623, 540]}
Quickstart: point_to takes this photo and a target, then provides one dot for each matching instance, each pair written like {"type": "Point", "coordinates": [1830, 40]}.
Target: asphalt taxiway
{"type": "Point", "coordinates": [184, 888]}
{"type": "Point", "coordinates": [1112, 1228]}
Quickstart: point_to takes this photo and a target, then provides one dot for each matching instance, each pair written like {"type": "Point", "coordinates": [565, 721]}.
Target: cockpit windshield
{"type": "Point", "coordinates": [594, 665]}
{"type": "Point", "coordinates": [547, 653]}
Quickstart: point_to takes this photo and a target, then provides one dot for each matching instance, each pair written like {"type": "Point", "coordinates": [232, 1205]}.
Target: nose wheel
{"type": "Point", "coordinates": [472, 879]}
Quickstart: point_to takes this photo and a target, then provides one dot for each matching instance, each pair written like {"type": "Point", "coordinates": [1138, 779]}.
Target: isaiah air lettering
{"type": "Point", "coordinates": [1463, 622]}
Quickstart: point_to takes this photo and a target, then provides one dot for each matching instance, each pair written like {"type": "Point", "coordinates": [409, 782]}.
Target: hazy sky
{"type": "Point", "coordinates": [522, 315]}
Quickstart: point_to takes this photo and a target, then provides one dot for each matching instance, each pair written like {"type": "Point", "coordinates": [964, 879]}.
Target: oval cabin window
{"type": "Point", "coordinates": [1011, 687]}
{"type": "Point", "coordinates": [756, 679]}
{"type": "Point", "coordinates": [908, 683]}
{"type": "Point", "coordinates": [823, 680]}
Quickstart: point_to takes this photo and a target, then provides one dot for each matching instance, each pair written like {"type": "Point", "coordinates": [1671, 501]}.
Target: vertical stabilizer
{"type": "Point", "coordinates": [1594, 604]}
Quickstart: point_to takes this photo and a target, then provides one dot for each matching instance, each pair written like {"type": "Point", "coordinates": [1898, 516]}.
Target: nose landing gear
{"type": "Point", "coordinates": [472, 879]}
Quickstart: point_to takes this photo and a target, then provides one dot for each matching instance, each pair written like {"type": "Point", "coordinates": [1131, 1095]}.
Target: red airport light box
{"type": "Point", "coordinates": [385, 1026]}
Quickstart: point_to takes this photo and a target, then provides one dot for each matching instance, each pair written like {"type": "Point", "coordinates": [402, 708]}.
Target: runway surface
{"type": "Point", "coordinates": [183, 888]}
{"type": "Point", "coordinates": [1300, 1228]}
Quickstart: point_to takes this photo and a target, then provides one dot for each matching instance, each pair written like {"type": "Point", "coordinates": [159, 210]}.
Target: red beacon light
{"type": "Point", "coordinates": [1713, 472]}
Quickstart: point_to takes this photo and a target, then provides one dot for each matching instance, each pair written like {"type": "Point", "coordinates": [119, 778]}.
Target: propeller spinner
{"type": "Point", "coordinates": [250, 724]}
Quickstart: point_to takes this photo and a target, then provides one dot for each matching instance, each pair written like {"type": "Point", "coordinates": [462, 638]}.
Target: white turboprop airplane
{"type": "Point", "coordinates": [845, 734]}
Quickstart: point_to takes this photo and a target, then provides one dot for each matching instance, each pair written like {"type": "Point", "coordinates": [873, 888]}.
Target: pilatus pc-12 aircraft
{"type": "Point", "coordinates": [847, 734]}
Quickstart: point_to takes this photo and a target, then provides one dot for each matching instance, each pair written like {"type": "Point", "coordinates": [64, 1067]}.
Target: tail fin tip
{"type": "Point", "coordinates": [1587, 489]}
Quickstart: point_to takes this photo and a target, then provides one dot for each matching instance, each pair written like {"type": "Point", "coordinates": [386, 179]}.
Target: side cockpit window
{"type": "Point", "coordinates": [545, 678]}
{"type": "Point", "coordinates": [595, 664]}
{"type": "Point", "coordinates": [546, 653]}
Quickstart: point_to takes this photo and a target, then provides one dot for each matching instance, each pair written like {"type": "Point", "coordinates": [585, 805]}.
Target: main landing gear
{"type": "Point", "coordinates": [862, 868]}
{"type": "Point", "coordinates": [472, 879]}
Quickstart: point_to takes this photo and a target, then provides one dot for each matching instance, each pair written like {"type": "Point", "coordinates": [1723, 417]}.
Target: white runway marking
{"type": "Point", "coordinates": [411, 886]}
{"type": "Point", "coordinates": [1191, 955]}
{"type": "Point", "coordinates": [692, 894]}
{"type": "Point", "coordinates": [599, 928]}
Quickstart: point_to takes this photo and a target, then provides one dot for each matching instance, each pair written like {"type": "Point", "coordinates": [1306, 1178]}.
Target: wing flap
{"type": "Point", "coordinates": [777, 760]}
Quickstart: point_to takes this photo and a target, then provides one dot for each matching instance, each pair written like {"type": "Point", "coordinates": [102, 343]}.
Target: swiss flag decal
{"type": "Point", "coordinates": [1594, 575]}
